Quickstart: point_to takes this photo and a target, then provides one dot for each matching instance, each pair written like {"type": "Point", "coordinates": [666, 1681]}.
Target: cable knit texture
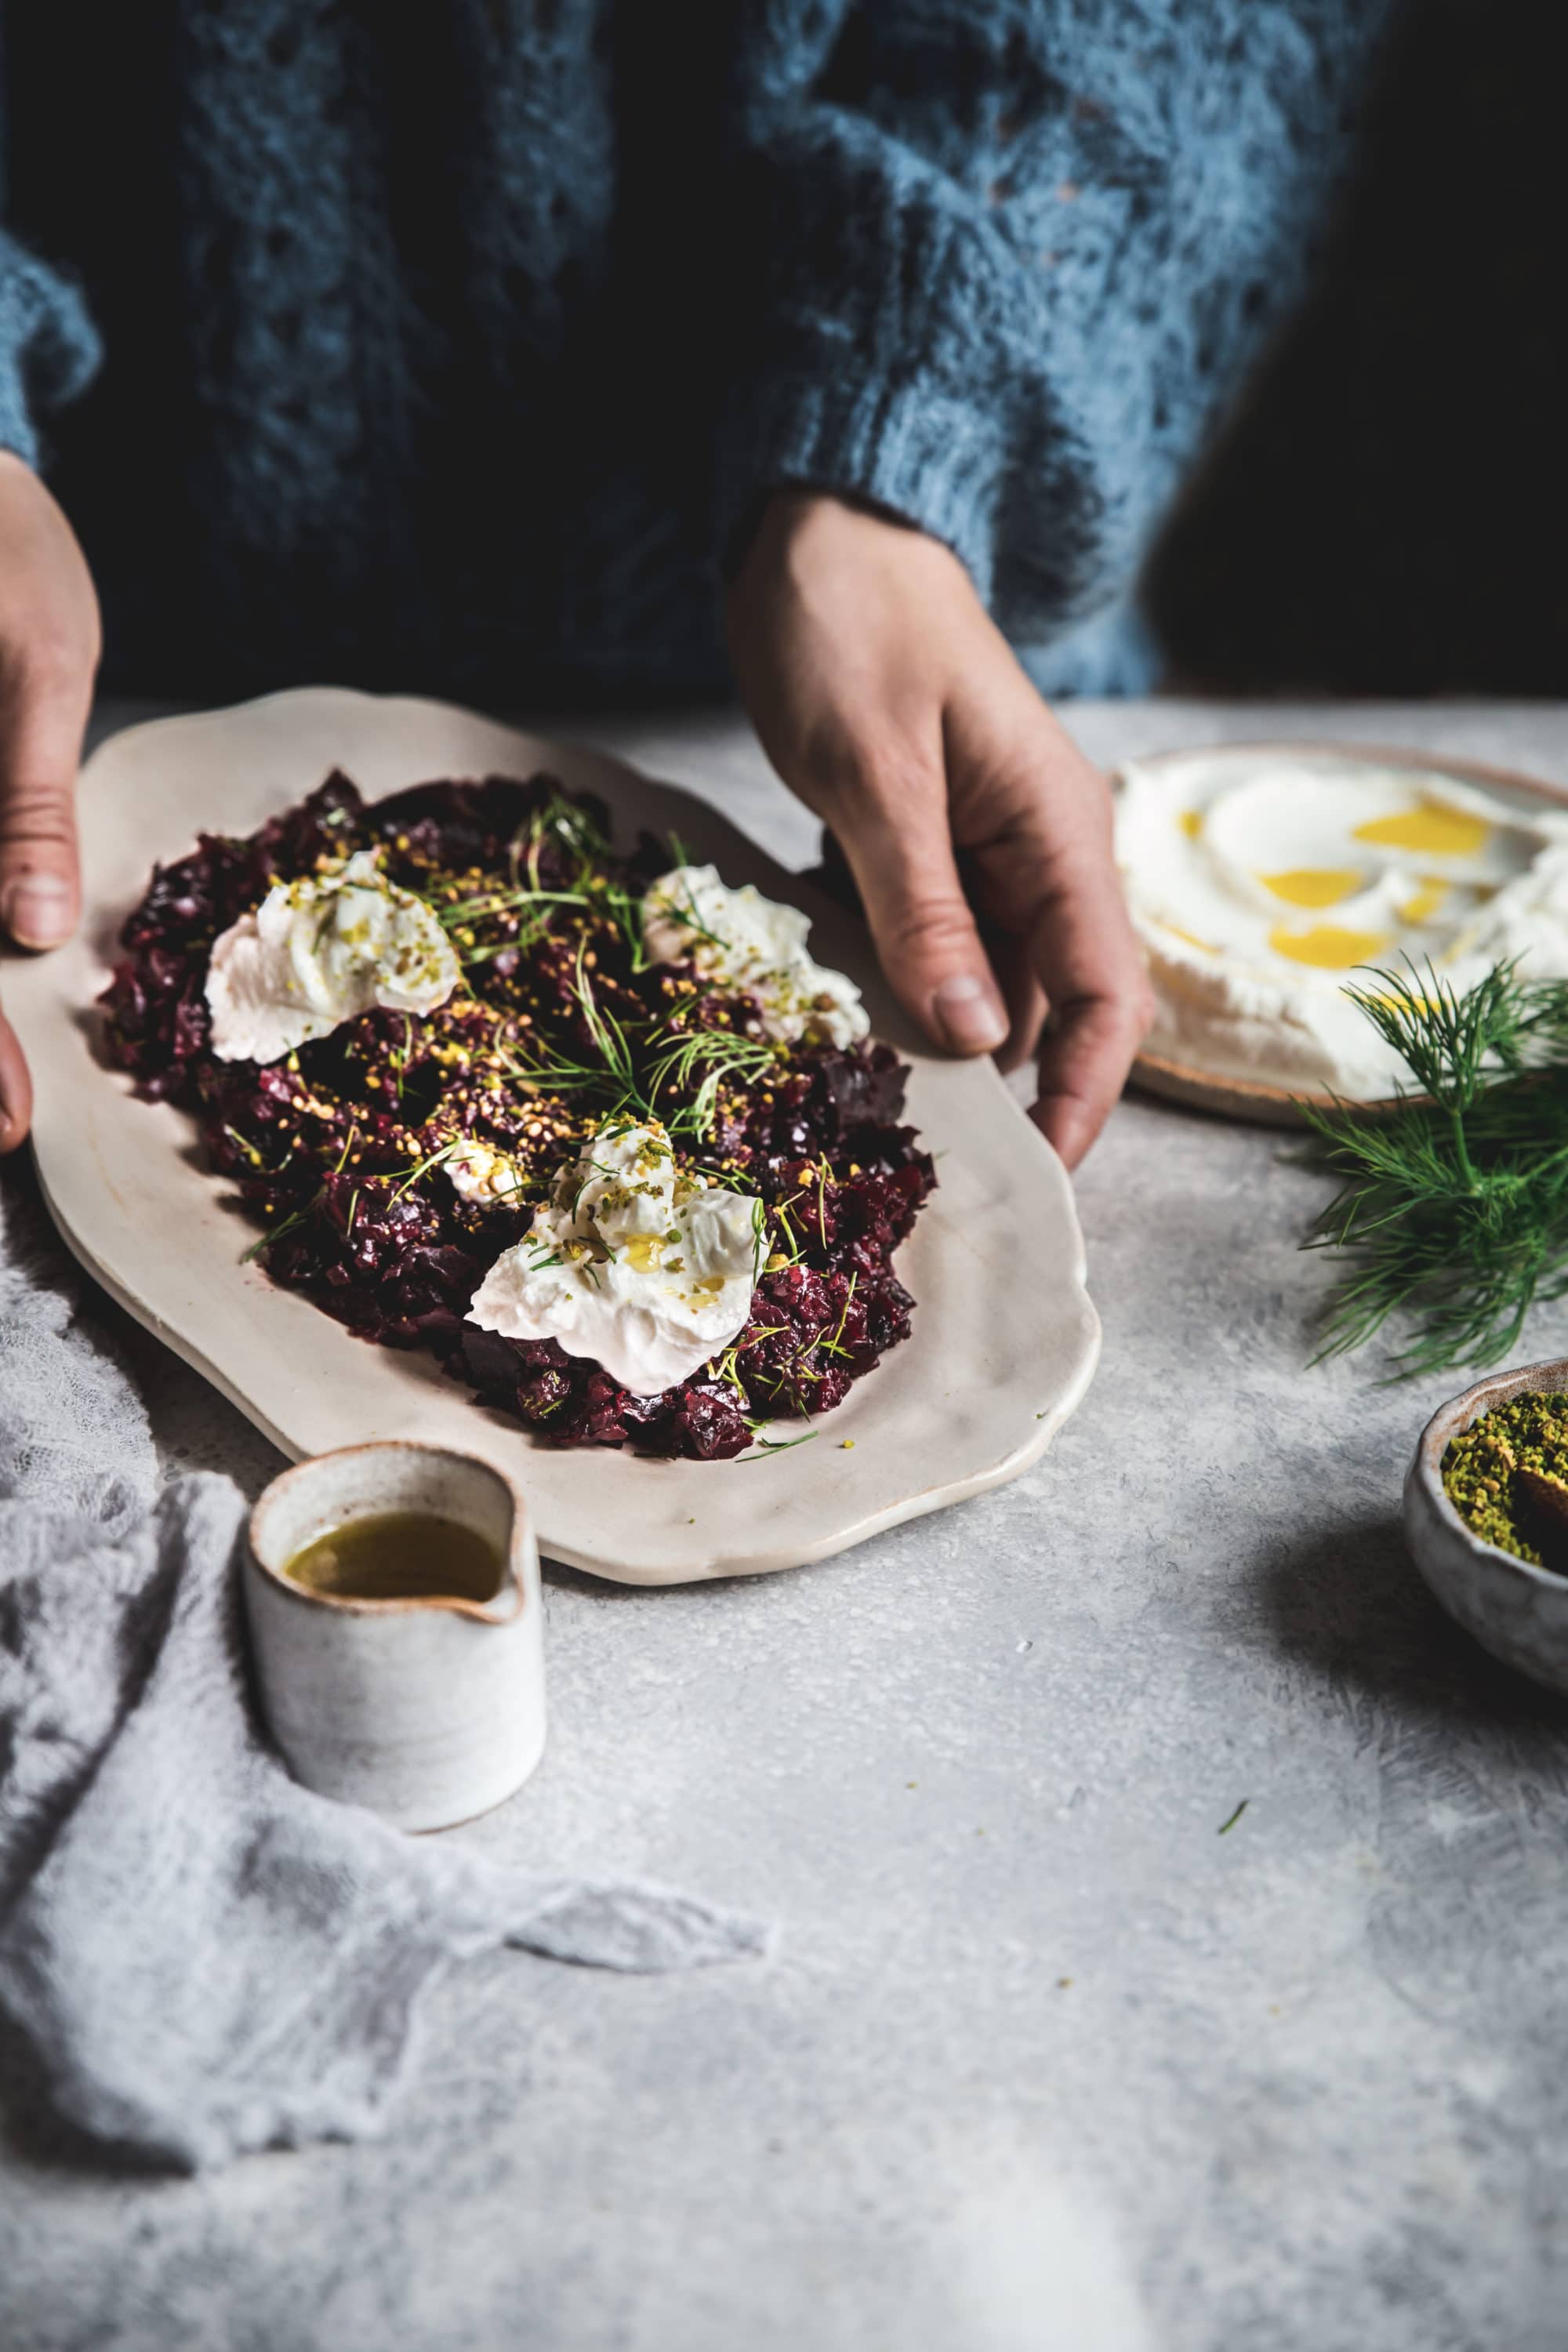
{"type": "Point", "coordinates": [47, 347]}
{"type": "Point", "coordinates": [449, 348]}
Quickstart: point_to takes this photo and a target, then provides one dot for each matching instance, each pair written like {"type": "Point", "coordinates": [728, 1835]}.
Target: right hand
{"type": "Point", "coordinates": [49, 643]}
{"type": "Point", "coordinates": [889, 702]}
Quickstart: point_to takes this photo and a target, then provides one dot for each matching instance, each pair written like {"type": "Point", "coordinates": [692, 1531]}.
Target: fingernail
{"type": "Point", "coordinates": [37, 909]}
{"type": "Point", "coordinates": [969, 1013]}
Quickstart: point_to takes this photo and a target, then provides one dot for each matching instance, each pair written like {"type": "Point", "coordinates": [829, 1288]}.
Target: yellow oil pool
{"type": "Point", "coordinates": [1312, 886]}
{"type": "Point", "coordinates": [1430, 830]}
{"type": "Point", "coordinates": [1330, 946]}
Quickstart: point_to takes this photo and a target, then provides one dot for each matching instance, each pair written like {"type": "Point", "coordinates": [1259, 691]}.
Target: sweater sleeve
{"type": "Point", "coordinates": [1010, 260]}
{"type": "Point", "coordinates": [48, 350]}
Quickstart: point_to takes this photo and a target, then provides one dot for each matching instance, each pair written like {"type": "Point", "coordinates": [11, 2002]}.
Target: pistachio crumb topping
{"type": "Point", "coordinates": [1481, 1465]}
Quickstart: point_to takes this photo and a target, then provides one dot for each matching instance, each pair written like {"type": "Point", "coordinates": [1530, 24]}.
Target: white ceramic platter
{"type": "Point", "coordinates": [1004, 1338]}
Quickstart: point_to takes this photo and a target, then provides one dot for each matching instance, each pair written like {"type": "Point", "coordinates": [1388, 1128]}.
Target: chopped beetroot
{"type": "Point", "coordinates": [336, 1150]}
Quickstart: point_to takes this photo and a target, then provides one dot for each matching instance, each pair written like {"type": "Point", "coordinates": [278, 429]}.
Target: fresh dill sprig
{"type": "Point", "coordinates": [640, 1066]}
{"type": "Point", "coordinates": [1453, 1205]}
{"type": "Point", "coordinates": [242, 1143]}
{"type": "Point", "coordinates": [610, 1039]}
{"type": "Point", "coordinates": [418, 1168]}
{"type": "Point", "coordinates": [260, 1247]}
{"type": "Point", "coordinates": [556, 1074]}
{"type": "Point", "coordinates": [690, 920]}
{"type": "Point", "coordinates": [398, 1057]}
{"type": "Point", "coordinates": [766, 1446]}
{"type": "Point", "coordinates": [502, 902]}
{"type": "Point", "coordinates": [835, 1347]}
{"type": "Point", "coordinates": [706, 1059]}
{"type": "Point", "coordinates": [574, 830]}
{"type": "Point", "coordinates": [786, 1238]}
{"type": "Point", "coordinates": [624, 908]}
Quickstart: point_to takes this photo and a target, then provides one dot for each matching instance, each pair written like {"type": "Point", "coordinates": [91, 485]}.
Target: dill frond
{"type": "Point", "coordinates": [699, 1063]}
{"type": "Point", "coordinates": [1452, 1211]}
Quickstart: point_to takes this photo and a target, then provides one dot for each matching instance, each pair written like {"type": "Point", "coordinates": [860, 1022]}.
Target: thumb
{"type": "Point", "coordinates": [43, 715]}
{"type": "Point", "coordinates": [15, 1092]}
{"type": "Point", "coordinates": [894, 832]}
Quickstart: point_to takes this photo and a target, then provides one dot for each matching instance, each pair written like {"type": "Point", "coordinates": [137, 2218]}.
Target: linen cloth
{"type": "Point", "coordinates": [205, 1957]}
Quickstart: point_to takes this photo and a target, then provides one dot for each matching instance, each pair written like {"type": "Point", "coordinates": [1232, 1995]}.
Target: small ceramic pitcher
{"type": "Point", "coordinates": [430, 1710]}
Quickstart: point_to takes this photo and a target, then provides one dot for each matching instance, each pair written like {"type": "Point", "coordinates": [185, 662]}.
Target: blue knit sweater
{"type": "Point", "coordinates": [449, 347]}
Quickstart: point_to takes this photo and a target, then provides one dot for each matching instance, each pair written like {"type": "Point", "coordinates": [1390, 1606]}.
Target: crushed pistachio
{"type": "Point", "coordinates": [1528, 1433]}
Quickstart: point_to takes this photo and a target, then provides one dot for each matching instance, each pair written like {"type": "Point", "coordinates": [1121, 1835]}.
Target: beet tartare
{"type": "Point", "coordinates": [400, 1160]}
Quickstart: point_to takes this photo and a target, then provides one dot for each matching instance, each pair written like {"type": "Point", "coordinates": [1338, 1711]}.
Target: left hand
{"type": "Point", "coordinates": [48, 653]}
{"type": "Point", "coordinates": [889, 702]}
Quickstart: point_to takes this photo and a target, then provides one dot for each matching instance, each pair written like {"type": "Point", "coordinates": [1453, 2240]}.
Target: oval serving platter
{"type": "Point", "coordinates": [1005, 1339]}
{"type": "Point", "coordinates": [1251, 1098]}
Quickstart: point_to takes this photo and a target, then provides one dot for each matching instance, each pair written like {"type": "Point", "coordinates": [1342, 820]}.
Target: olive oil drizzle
{"type": "Point", "coordinates": [399, 1556]}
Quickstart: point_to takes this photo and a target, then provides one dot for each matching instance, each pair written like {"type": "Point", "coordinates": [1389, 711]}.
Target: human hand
{"type": "Point", "coordinates": [889, 702]}
{"type": "Point", "coordinates": [48, 655]}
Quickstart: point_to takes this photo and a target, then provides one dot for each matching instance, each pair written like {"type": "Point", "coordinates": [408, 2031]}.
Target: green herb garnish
{"type": "Point", "coordinates": [710, 1058]}
{"type": "Point", "coordinates": [260, 1247]}
{"type": "Point", "coordinates": [411, 1175]}
{"type": "Point", "coordinates": [1453, 1206]}
{"type": "Point", "coordinates": [767, 1445]}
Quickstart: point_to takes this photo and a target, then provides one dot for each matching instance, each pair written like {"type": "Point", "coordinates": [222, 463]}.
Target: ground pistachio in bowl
{"type": "Point", "coordinates": [1507, 1477]}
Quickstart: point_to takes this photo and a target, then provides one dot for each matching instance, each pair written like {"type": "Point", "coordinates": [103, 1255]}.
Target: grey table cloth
{"type": "Point", "coordinates": [203, 1956]}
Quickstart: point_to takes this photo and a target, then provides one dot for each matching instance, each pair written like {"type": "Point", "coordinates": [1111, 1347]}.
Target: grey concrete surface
{"type": "Point", "coordinates": [1045, 2063]}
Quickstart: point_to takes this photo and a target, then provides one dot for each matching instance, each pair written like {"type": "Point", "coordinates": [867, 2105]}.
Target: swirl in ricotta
{"type": "Point", "coordinates": [1258, 883]}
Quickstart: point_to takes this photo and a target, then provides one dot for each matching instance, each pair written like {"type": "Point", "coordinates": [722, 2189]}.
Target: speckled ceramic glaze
{"type": "Point", "coordinates": [428, 1710]}
{"type": "Point", "coordinates": [1518, 1611]}
{"type": "Point", "coordinates": [1005, 1337]}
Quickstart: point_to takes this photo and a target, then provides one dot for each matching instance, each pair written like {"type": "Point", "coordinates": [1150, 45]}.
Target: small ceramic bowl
{"type": "Point", "coordinates": [431, 1709]}
{"type": "Point", "coordinates": [1517, 1612]}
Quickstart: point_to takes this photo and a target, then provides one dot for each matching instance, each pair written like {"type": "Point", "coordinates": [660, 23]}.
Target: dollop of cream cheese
{"type": "Point", "coordinates": [1259, 884]}
{"type": "Point", "coordinates": [318, 952]}
{"type": "Point", "coordinates": [480, 1171]}
{"type": "Point", "coordinates": [738, 939]}
{"type": "Point", "coordinates": [643, 1267]}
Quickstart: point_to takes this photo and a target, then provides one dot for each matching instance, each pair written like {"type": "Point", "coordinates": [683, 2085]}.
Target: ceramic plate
{"type": "Point", "coordinates": [1005, 1337]}
{"type": "Point", "coordinates": [1250, 1098]}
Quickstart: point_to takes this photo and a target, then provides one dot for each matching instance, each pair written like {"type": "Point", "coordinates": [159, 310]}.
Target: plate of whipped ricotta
{"type": "Point", "coordinates": [412, 1078]}
{"type": "Point", "coordinates": [1265, 879]}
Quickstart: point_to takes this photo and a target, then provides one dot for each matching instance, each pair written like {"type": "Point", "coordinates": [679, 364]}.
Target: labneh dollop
{"type": "Point", "coordinates": [478, 1171]}
{"type": "Point", "coordinates": [646, 1267]}
{"type": "Point", "coordinates": [739, 940]}
{"type": "Point", "coordinates": [1262, 885]}
{"type": "Point", "coordinates": [317, 952]}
